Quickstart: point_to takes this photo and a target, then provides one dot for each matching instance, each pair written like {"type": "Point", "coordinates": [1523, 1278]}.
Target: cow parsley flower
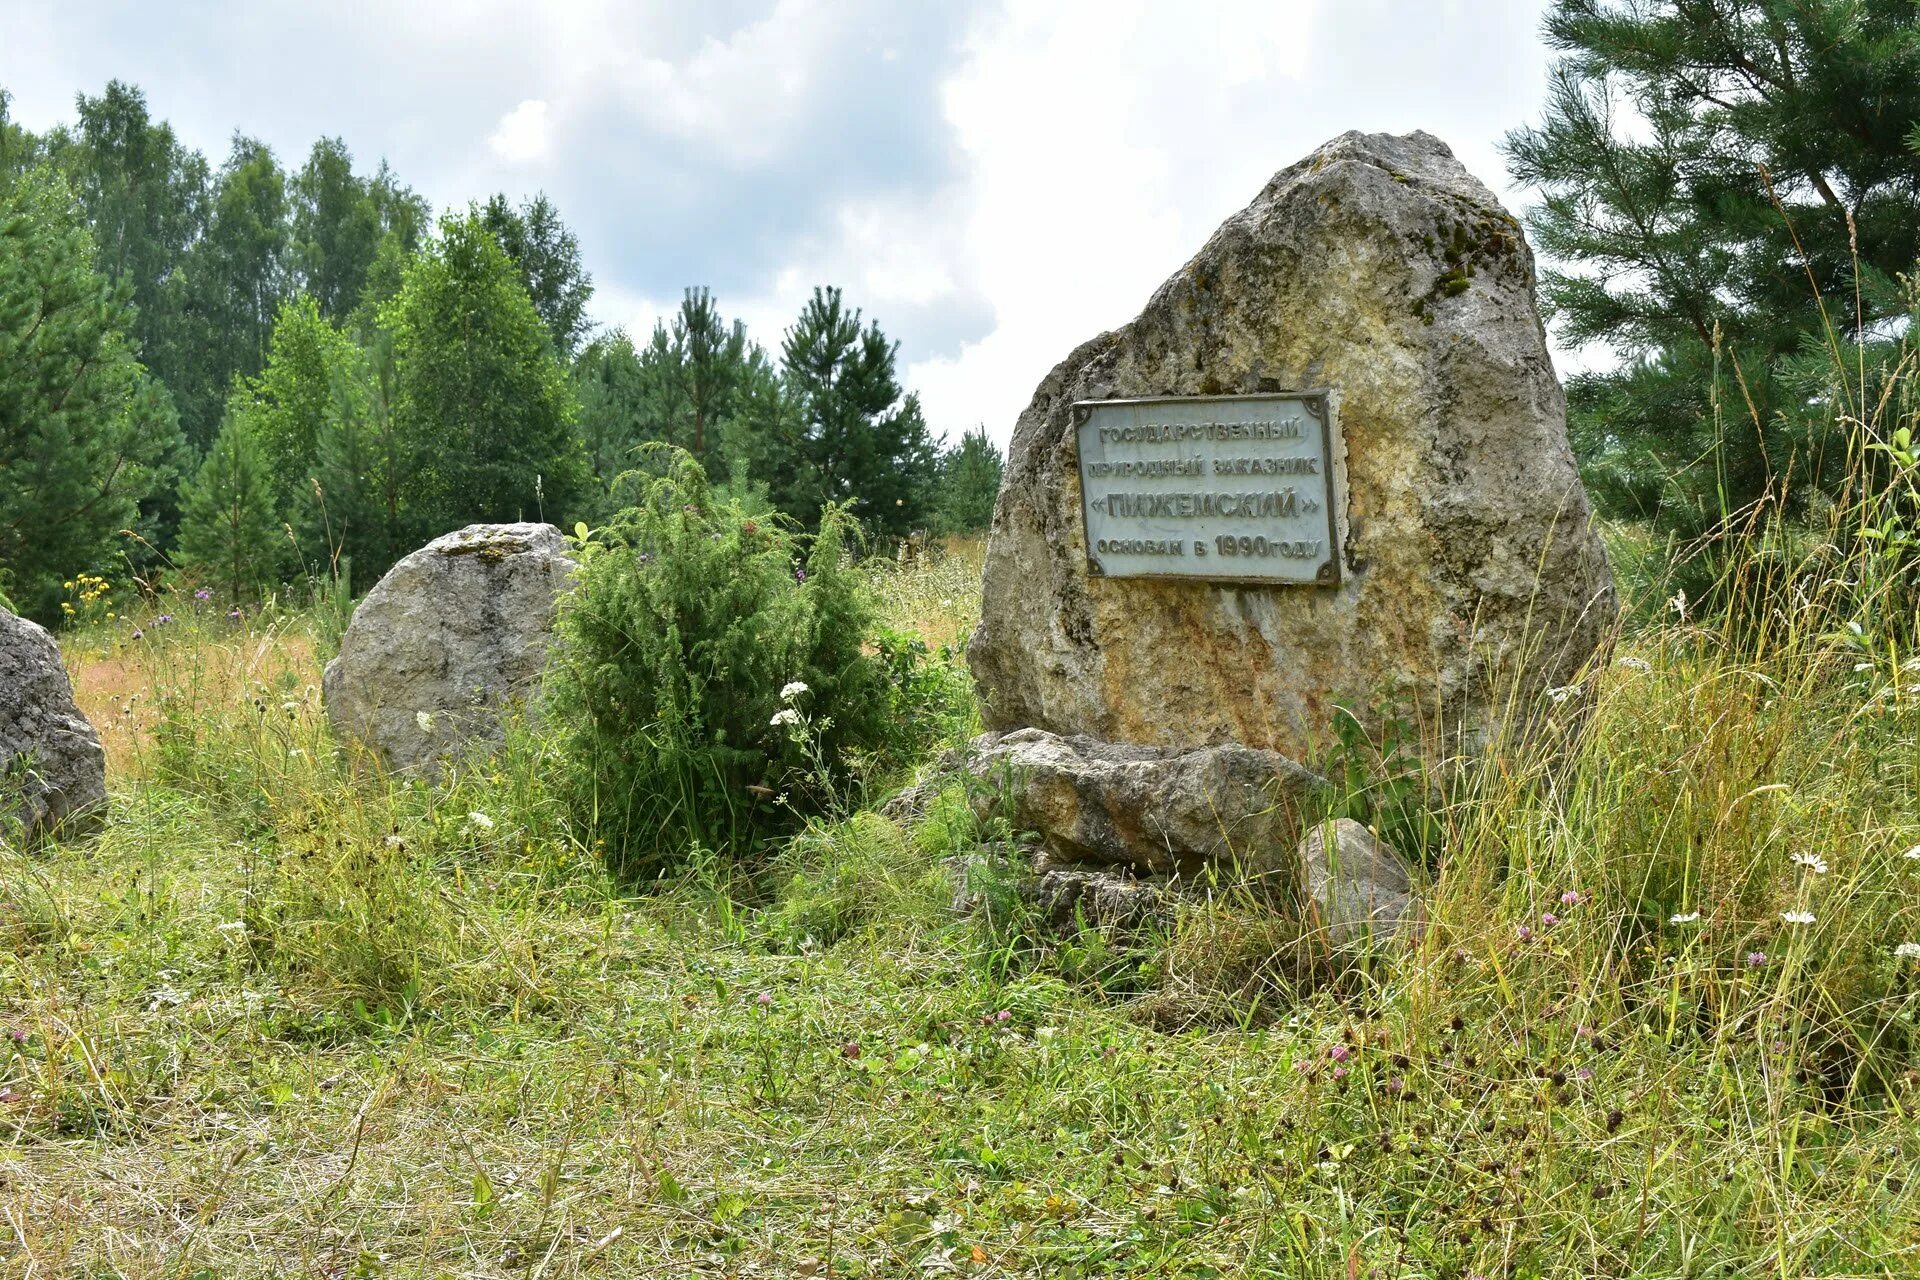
{"type": "Point", "coordinates": [479, 821]}
{"type": "Point", "coordinates": [1908, 951]}
{"type": "Point", "coordinates": [793, 690]}
{"type": "Point", "coordinates": [785, 715]}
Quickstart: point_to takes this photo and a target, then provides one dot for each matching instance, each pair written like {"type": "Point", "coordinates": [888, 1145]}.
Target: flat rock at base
{"type": "Point", "coordinates": [1155, 809]}
{"type": "Point", "coordinates": [1359, 885]}
{"type": "Point", "coordinates": [1379, 270]}
{"type": "Point", "coordinates": [1077, 893]}
{"type": "Point", "coordinates": [446, 641]}
{"type": "Point", "coordinates": [53, 770]}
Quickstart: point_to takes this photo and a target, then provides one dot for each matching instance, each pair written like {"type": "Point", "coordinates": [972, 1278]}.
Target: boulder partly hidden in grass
{"type": "Point", "coordinates": [1359, 885]}
{"type": "Point", "coordinates": [1117, 822]}
{"type": "Point", "coordinates": [452, 636]}
{"type": "Point", "coordinates": [53, 771]}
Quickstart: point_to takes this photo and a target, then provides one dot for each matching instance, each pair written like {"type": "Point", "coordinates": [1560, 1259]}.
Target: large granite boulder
{"type": "Point", "coordinates": [1469, 575]}
{"type": "Point", "coordinates": [1154, 809]}
{"type": "Point", "coordinates": [53, 771]}
{"type": "Point", "coordinates": [451, 636]}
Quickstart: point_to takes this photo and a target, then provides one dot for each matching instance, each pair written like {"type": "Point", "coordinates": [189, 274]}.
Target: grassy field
{"type": "Point", "coordinates": [286, 1019]}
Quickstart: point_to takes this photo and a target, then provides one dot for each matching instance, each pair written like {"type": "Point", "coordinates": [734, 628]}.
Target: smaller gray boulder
{"type": "Point", "coordinates": [53, 771]}
{"type": "Point", "coordinates": [450, 638]}
{"type": "Point", "coordinates": [1359, 885]}
{"type": "Point", "coordinates": [1155, 809]}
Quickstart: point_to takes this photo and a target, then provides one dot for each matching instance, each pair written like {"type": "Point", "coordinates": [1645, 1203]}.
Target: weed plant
{"type": "Point", "coordinates": [720, 679]}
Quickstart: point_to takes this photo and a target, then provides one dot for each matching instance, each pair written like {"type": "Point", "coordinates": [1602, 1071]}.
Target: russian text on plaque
{"type": "Point", "coordinates": [1235, 488]}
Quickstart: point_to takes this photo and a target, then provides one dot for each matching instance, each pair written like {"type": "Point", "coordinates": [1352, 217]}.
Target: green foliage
{"type": "Point", "coordinates": [239, 267]}
{"type": "Point", "coordinates": [230, 532]}
{"type": "Point", "coordinates": [699, 384]}
{"type": "Point", "coordinates": [481, 409]}
{"type": "Point", "coordinates": [697, 372]}
{"type": "Point", "coordinates": [295, 398]}
{"type": "Point", "coordinates": [968, 485]}
{"type": "Point", "coordinates": [1383, 784]}
{"type": "Point", "coordinates": [340, 222]}
{"type": "Point", "coordinates": [146, 198]}
{"type": "Point", "coordinates": [85, 434]}
{"type": "Point", "coordinates": [1711, 173]}
{"type": "Point", "coordinates": [853, 437]}
{"type": "Point", "coordinates": [688, 621]}
{"type": "Point", "coordinates": [548, 257]}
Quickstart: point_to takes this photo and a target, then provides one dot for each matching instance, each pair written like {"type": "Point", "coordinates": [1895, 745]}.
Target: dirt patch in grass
{"type": "Point", "coordinates": [121, 687]}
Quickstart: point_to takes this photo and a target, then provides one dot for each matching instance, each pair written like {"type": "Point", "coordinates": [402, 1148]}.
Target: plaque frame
{"type": "Point", "coordinates": [1318, 404]}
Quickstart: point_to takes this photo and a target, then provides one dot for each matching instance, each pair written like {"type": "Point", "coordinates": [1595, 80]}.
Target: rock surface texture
{"type": "Point", "coordinates": [1154, 809]}
{"type": "Point", "coordinates": [1358, 884]}
{"type": "Point", "coordinates": [53, 771]}
{"type": "Point", "coordinates": [1380, 269]}
{"type": "Point", "coordinates": [446, 640]}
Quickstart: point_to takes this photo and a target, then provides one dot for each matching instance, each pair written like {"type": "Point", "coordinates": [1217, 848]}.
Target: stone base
{"type": "Point", "coordinates": [1157, 810]}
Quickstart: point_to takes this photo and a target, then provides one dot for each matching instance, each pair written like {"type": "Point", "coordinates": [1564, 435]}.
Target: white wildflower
{"type": "Point", "coordinates": [1812, 862]}
{"type": "Point", "coordinates": [1797, 917]}
{"type": "Point", "coordinates": [1633, 664]}
{"type": "Point", "coordinates": [235, 929]}
{"type": "Point", "coordinates": [425, 720]}
{"type": "Point", "coordinates": [793, 690]}
{"type": "Point", "coordinates": [1679, 605]}
{"type": "Point", "coordinates": [1912, 854]}
{"type": "Point", "coordinates": [395, 842]}
{"type": "Point", "coordinates": [1908, 951]}
{"type": "Point", "coordinates": [479, 821]}
{"type": "Point", "coordinates": [1683, 918]}
{"type": "Point", "coordinates": [785, 715]}
{"type": "Point", "coordinates": [1563, 693]}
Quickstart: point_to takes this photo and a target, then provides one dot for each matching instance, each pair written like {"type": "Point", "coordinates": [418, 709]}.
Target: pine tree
{"type": "Point", "coordinates": [969, 484]}
{"type": "Point", "coordinates": [229, 531]}
{"type": "Point", "coordinates": [1708, 165]}
{"type": "Point", "coordinates": [855, 438]}
{"type": "Point", "coordinates": [694, 370]}
{"type": "Point", "coordinates": [85, 434]}
{"type": "Point", "coordinates": [482, 410]}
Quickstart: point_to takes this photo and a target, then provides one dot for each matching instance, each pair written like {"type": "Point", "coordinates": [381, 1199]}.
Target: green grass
{"type": "Point", "coordinates": [283, 1019]}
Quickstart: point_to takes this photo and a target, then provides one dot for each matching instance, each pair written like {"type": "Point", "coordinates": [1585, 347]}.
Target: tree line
{"type": "Point", "coordinates": [251, 375]}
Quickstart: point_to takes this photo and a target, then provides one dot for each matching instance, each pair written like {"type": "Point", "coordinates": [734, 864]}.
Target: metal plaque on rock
{"type": "Point", "coordinates": [1233, 488]}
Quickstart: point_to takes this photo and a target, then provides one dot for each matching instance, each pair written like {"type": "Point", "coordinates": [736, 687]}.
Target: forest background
{"type": "Point", "coordinates": [248, 376]}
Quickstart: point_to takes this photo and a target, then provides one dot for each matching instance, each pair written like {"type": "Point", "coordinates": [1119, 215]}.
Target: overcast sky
{"type": "Point", "coordinates": [993, 182]}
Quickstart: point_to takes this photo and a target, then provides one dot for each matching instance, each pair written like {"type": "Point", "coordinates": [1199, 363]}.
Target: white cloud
{"type": "Point", "coordinates": [1105, 141]}
{"type": "Point", "coordinates": [523, 135]}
